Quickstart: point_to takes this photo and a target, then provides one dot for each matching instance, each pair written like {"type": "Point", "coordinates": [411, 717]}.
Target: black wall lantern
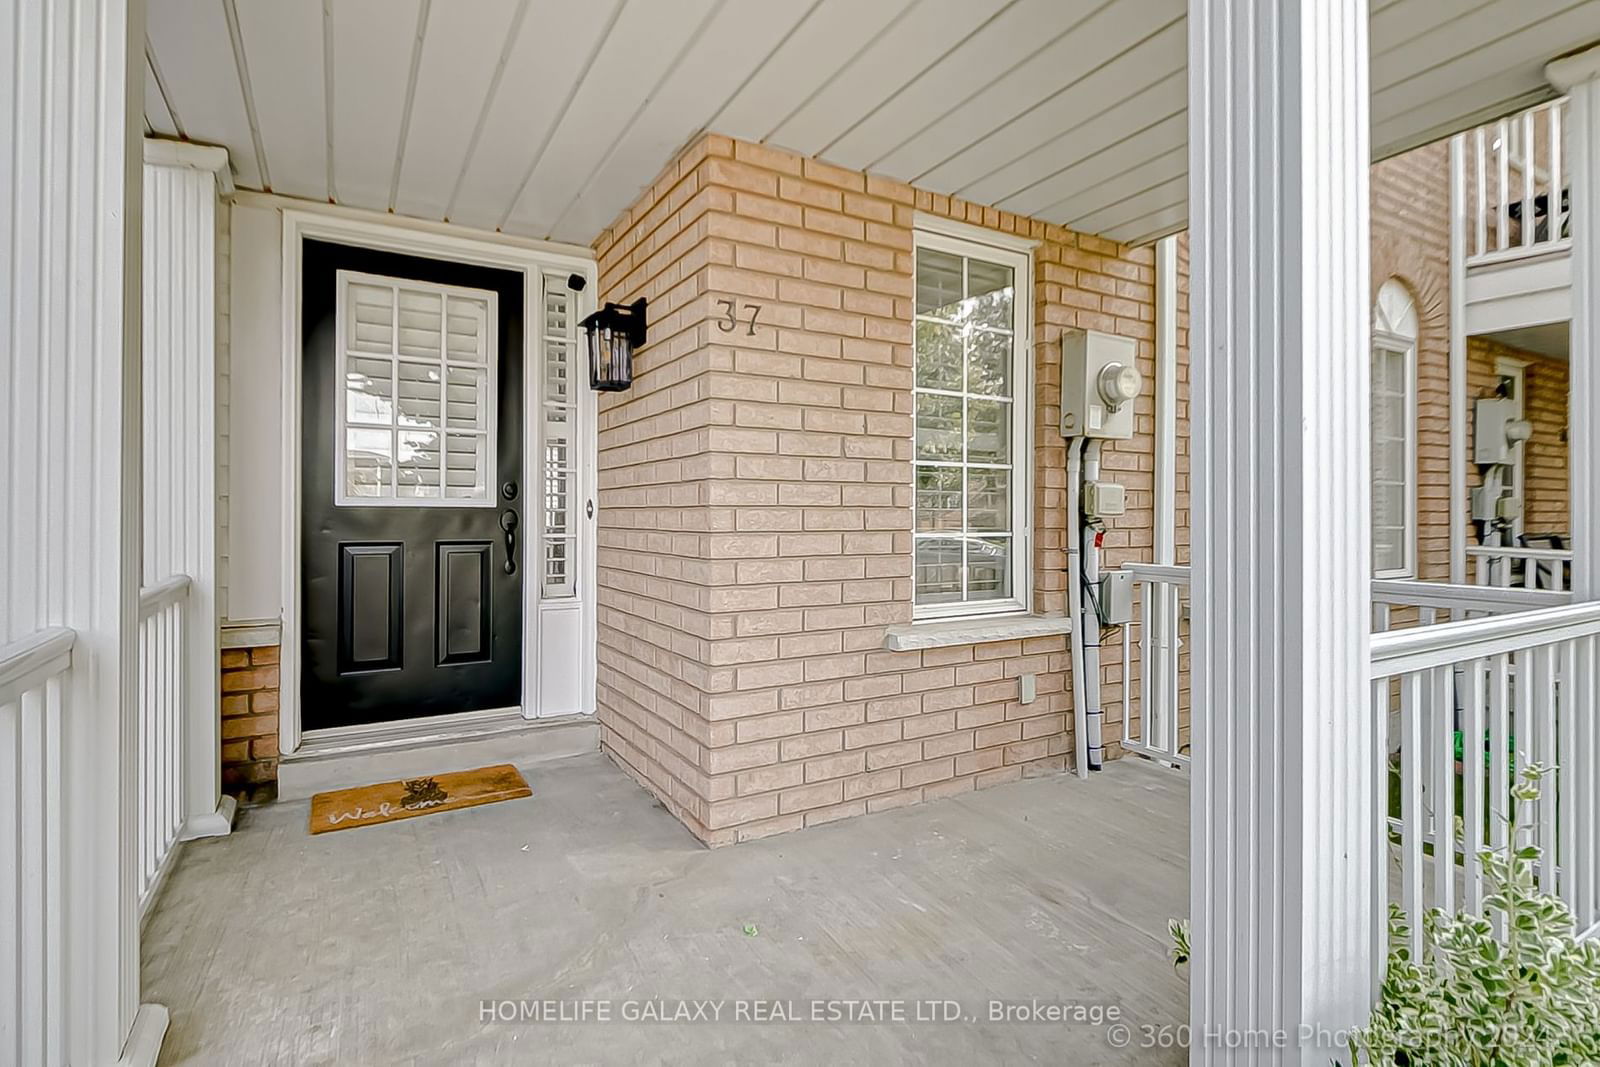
{"type": "Point", "coordinates": [613, 333]}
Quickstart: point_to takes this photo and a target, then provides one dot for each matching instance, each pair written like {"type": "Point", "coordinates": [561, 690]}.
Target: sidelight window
{"type": "Point", "coordinates": [1394, 442]}
{"type": "Point", "coordinates": [558, 415]}
{"type": "Point", "coordinates": [416, 421]}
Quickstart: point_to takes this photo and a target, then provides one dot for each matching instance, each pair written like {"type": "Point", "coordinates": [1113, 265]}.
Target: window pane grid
{"type": "Point", "coordinates": [419, 392]}
{"type": "Point", "coordinates": [1393, 433]}
{"type": "Point", "coordinates": [964, 456]}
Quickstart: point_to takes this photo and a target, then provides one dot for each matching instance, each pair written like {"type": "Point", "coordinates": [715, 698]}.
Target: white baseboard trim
{"type": "Point", "coordinates": [144, 1040]}
{"type": "Point", "coordinates": [218, 824]}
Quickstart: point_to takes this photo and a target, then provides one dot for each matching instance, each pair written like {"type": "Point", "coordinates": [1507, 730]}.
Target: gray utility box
{"type": "Point", "coordinates": [1116, 598]}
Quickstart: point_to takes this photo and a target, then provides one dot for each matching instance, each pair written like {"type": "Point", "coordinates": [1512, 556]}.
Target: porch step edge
{"type": "Point", "coordinates": [356, 763]}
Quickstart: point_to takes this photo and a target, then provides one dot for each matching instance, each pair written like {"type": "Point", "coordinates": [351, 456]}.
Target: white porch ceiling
{"type": "Point", "coordinates": [546, 118]}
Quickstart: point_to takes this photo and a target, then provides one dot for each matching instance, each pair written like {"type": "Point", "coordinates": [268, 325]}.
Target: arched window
{"type": "Point", "coordinates": [1394, 433]}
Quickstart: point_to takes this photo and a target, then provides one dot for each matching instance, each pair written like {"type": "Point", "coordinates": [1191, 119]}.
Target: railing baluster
{"type": "Point", "coordinates": [1149, 713]}
{"type": "Point", "coordinates": [1411, 811]}
{"type": "Point", "coordinates": [1528, 157]}
{"type": "Point", "coordinates": [1568, 812]}
{"type": "Point", "coordinates": [1499, 750]}
{"type": "Point", "coordinates": [147, 743]}
{"type": "Point", "coordinates": [1441, 712]}
{"type": "Point", "coordinates": [1584, 707]}
{"type": "Point", "coordinates": [1542, 726]}
{"type": "Point", "coordinates": [1380, 815]}
{"type": "Point", "coordinates": [1174, 670]}
{"type": "Point", "coordinates": [1127, 665]}
{"type": "Point", "coordinates": [1555, 213]}
{"type": "Point", "coordinates": [1472, 787]}
{"type": "Point", "coordinates": [1480, 217]}
{"type": "Point", "coordinates": [1502, 237]}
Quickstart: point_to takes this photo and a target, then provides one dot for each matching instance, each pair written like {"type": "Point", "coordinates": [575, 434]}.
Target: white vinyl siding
{"type": "Point", "coordinates": [971, 449]}
{"type": "Point", "coordinates": [1394, 441]}
{"type": "Point", "coordinates": [416, 418]}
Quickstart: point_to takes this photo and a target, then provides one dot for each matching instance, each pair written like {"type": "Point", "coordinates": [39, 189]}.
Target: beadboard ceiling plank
{"type": "Point", "coordinates": [460, 54]}
{"type": "Point", "coordinates": [191, 45]}
{"type": "Point", "coordinates": [645, 45]}
{"type": "Point", "coordinates": [718, 62]}
{"type": "Point", "coordinates": [283, 46]}
{"type": "Point", "coordinates": [372, 45]}
{"type": "Point", "coordinates": [1149, 78]}
{"type": "Point", "coordinates": [920, 37]}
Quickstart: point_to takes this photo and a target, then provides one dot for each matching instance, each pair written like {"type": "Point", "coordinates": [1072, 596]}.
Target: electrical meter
{"type": "Point", "coordinates": [1100, 381]}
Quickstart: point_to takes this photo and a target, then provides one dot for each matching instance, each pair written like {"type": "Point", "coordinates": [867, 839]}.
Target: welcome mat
{"type": "Point", "coordinates": [341, 809]}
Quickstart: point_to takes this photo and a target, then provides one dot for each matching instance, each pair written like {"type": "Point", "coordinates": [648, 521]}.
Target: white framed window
{"type": "Point", "coordinates": [971, 457]}
{"type": "Point", "coordinates": [1394, 433]}
{"type": "Point", "coordinates": [416, 363]}
{"type": "Point", "coordinates": [558, 457]}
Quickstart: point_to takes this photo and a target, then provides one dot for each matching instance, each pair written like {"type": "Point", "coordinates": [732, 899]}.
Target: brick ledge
{"type": "Point", "coordinates": [973, 631]}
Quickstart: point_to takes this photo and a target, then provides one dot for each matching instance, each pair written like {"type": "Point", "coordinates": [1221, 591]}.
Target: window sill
{"type": "Point", "coordinates": [973, 631]}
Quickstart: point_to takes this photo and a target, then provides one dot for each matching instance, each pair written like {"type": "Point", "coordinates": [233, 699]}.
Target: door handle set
{"type": "Point", "coordinates": [508, 523]}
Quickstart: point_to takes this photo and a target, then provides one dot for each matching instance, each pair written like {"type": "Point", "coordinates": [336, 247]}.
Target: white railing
{"type": "Point", "coordinates": [1517, 199]}
{"type": "Point", "coordinates": [1459, 708]}
{"type": "Point", "coordinates": [1155, 704]}
{"type": "Point", "coordinates": [1403, 603]}
{"type": "Point", "coordinates": [33, 993]}
{"type": "Point", "coordinates": [163, 619]}
{"type": "Point", "coordinates": [1154, 690]}
{"type": "Point", "coordinates": [1508, 566]}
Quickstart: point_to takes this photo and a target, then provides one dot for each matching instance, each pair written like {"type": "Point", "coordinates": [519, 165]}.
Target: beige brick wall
{"type": "Point", "coordinates": [1411, 242]}
{"type": "Point", "coordinates": [756, 501]}
{"type": "Point", "coordinates": [250, 722]}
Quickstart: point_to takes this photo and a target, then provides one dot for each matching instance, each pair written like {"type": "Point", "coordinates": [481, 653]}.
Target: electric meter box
{"type": "Point", "coordinates": [1099, 381]}
{"type": "Point", "coordinates": [1497, 430]}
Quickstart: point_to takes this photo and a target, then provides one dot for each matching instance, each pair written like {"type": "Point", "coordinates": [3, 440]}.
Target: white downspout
{"type": "Point", "coordinates": [1089, 576]}
{"type": "Point", "coordinates": [1164, 602]}
{"type": "Point", "coordinates": [1166, 495]}
{"type": "Point", "coordinates": [1459, 508]}
{"type": "Point", "coordinates": [1080, 720]}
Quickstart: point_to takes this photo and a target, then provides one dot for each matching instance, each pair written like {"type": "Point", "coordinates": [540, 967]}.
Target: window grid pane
{"type": "Point", "coordinates": [964, 411]}
{"type": "Point", "coordinates": [1391, 459]}
{"type": "Point", "coordinates": [417, 418]}
{"type": "Point", "coordinates": [558, 456]}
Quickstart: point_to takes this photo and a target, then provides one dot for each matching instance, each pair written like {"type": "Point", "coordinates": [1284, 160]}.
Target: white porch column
{"type": "Point", "coordinates": [181, 190]}
{"type": "Point", "coordinates": [1579, 77]}
{"type": "Point", "coordinates": [1282, 832]}
{"type": "Point", "coordinates": [69, 541]}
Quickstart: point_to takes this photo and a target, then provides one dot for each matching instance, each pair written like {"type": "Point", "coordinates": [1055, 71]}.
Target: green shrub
{"type": "Point", "coordinates": [1510, 988]}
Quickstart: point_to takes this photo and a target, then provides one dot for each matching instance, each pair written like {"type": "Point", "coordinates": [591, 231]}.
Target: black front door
{"type": "Point", "coordinates": [411, 549]}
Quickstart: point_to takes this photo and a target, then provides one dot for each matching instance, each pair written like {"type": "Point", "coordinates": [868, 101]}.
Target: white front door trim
{"type": "Point", "coordinates": [303, 220]}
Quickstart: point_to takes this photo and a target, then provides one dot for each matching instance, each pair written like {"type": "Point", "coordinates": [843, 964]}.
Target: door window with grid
{"type": "Point", "coordinates": [417, 365]}
{"type": "Point", "coordinates": [1394, 418]}
{"type": "Point", "coordinates": [971, 457]}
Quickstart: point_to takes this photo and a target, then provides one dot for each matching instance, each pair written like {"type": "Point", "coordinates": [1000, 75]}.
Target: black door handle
{"type": "Point", "coordinates": [508, 523]}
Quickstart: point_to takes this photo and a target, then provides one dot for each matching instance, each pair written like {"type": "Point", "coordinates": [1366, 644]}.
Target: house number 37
{"type": "Point", "coordinates": [729, 322]}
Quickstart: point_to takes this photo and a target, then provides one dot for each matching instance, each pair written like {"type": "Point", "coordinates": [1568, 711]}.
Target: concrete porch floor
{"type": "Point", "coordinates": [376, 945]}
